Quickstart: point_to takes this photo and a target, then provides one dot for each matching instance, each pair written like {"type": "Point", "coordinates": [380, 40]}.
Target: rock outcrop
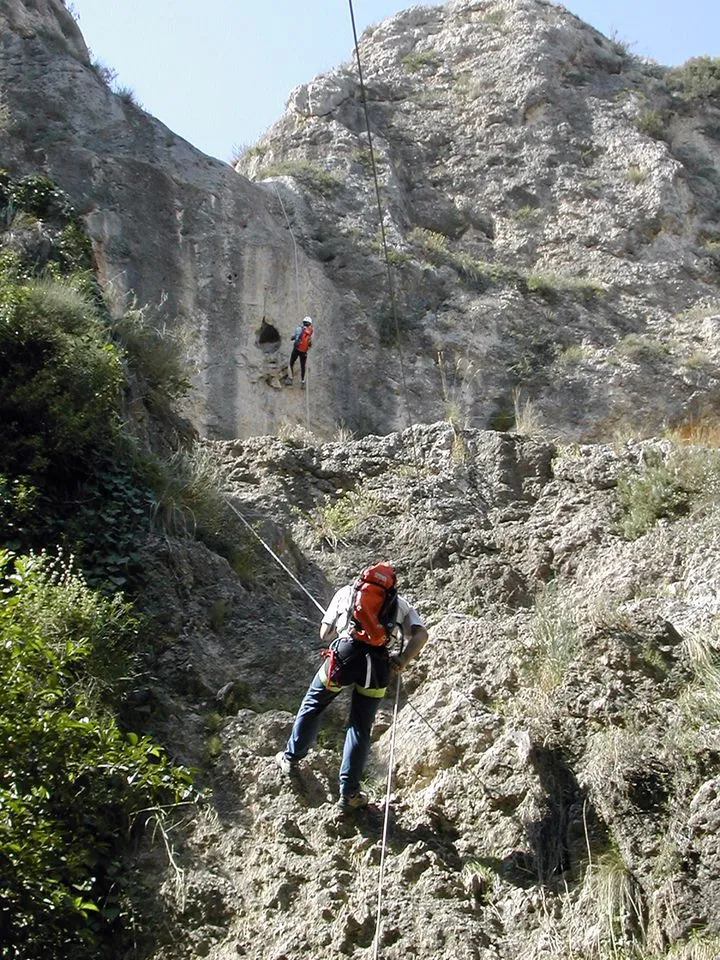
{"type": "Point", "coordinates": [556, 765]}
{"type": "Point", "coordinates": [550, 206]}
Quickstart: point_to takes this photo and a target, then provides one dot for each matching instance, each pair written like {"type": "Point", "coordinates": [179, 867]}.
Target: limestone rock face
{"type": "Point", "coordinates": [551, 215]}
{"type": "Point", "coordinates": [551, 206]}
{"type": "Point", "coordinates": [168, 223]}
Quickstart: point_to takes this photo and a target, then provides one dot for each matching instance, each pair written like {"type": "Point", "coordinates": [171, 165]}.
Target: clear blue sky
{"type": "Point", "coordinates": [218, 72]}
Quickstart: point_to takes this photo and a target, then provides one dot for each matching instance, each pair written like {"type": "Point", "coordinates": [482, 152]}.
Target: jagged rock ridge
{"type": "Point", "coordinates": [551, 205]}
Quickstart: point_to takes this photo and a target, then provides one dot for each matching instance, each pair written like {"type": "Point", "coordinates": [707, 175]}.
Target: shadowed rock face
{"type": "Point", "coordinates": [551, 208]}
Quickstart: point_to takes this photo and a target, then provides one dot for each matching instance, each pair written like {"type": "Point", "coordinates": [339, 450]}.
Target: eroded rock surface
{"type": "Point", "coordinates": [556, 764]}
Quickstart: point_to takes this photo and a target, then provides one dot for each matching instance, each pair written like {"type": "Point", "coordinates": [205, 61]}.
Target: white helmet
{"type": "Point", "coordinates": [307, 321]}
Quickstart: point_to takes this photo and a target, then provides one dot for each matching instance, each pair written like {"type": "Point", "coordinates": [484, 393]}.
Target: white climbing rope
{"type": "Point", "coordinates": [292, 235]}
{"type": "Point", "coordinates": [275, 557]}
{"type": "Point", "coordinates": [386, 821]}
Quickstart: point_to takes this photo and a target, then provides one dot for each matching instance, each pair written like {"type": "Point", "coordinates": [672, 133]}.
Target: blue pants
{"type": "Point", "coordinates": [357, 737]}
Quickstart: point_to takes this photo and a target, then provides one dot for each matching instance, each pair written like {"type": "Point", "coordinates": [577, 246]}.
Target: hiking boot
{"type": "Point", "coordinates": [287, 765]}
{"type": "Point", "coordinates": [352, 801]}
{"type": "Point", "coordinates": [302, 384]}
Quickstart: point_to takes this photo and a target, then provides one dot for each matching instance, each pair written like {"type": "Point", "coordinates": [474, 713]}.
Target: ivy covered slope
{"type": "Point", "coordinates": [75, 781]}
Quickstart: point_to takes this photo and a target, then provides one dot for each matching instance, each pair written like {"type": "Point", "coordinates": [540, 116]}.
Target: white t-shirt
{"type": "Point", "coordinates": [340, 607]}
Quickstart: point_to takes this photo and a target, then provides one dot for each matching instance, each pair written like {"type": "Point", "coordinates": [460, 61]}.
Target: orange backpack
{"type": "Point", "coordinates": [303, 341]}
{"type": "Point", "coordinates": [374, 604]}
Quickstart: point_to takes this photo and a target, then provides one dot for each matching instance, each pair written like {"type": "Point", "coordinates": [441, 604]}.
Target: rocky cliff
{"type": "Point", "coordinates": [551, 209]}
{"type": "Point", "coordinates": [551, 212]}
{"type": "Point", "coordinates": [550, 206]}
{"type": "Point", "coordinates": [556, 783]}
{"type": "Point", "coordinates": [168, 223]}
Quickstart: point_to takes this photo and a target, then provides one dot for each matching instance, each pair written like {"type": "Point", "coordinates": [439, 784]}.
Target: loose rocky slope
{"type": "Point", "coordinates": [555, 789]}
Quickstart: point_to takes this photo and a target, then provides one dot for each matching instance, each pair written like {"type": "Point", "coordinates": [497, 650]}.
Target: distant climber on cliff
{"type": "Point", "coordinates": [363, 619]}
{"type": "Point", "coordinates": [302, 341]}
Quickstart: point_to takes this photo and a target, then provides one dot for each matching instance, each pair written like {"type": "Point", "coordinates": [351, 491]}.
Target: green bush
{"type": "Point", "coordinates": [652, 124]}
{"type": "Point", "coordinates": [72, 782]}
{"type": "Point", "coordinates": [311, 175]}
{"type": "Point", "coordinates": [37, 194]}
{"type": "Point", "coordinates": [418, 59]}
{"type": "Point", "coordinates": [60, 379]}
{"type": "Point", "coordinates": [649, 496]}
{"type": "Point", "coordinates": [697, 78]}
{"type": "Point", "coordinates": [154, 355]}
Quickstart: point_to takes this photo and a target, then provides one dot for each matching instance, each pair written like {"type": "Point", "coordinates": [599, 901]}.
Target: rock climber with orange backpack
{"type": "Point", "coordinates": [362, 620]}
{"type": "Point", "coordinates": [302, 341]}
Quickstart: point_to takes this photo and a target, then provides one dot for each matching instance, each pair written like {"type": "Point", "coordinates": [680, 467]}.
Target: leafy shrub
{"type": "Point", "coordinates": [526, 212]}
{"type": "Point", "coordinates": [191, 502]}
{"type": "Point", "coordinates": [104, 521]}
{"type": "Point", "coordinates": [640, 349]}
{"type": "Point", "coordinates": [37, 194]}
{"type": "Point", "coordinates": [343, 517]}
{"type": "Point", "coordinates": [72, 783]}
{"type": "Point", "coordinates": [128, 96]}
{"type": "Point", "coordinates": [418, 59]}
{"type": "Point", "coordinates": [105, 73]}
{"type": "Point", "coordinates": [574, 354]}
{"type": "Point", "coordinates": [190, 493]}
{"type": "Point", "coordinates": [434, 246]}
{"type": "Point", "coordinates": [59, 378]}
{"type": "Point", "coordinates": [155, 355]}
{"type": "Point", "coordinates": [669, 489]}
{"type": "Point", "coordinates": [311, 175]}
{"type": "Point", "coordinates": [18, 501]}
{"type": "Point", "coordinates": [652, 124]}
{"type": "Point", "coordinates": [496, 17]}
{"type": "Point", "coordinates": [696, 79]}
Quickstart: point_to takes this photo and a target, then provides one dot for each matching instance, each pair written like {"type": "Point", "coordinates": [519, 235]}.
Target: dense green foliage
{"type": "Point", "coordinates": [72, 783]}
{"type": "Point", "coordinates": [60, 379]}
{"type": "Point", "coordinates": [67, 476]}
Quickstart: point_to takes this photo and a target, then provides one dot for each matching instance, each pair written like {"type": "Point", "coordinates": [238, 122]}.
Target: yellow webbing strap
{"type": "Point", "coordinates": [371, 691]}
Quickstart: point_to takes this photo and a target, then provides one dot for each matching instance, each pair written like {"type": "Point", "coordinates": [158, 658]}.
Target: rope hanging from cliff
{"type": "Point", "coordinates": [275, 557]}
{"type": "Point", "coordinates": [388, 268]}
{"type": "Point", "coordinates": [292, 236]}
{"type": "Point", "coordinates": [297, 297]}
{"type": "Point", "coordinates": [386, 822]}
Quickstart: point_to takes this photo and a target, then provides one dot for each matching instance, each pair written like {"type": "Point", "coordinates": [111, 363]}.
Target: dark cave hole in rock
{"type": "Point", "coordinates": [268, 339]}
